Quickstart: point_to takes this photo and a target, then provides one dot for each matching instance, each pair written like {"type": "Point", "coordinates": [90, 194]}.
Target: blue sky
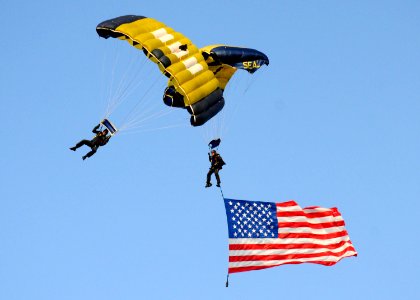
{"type": "Point", "coordinates": [333, 121]}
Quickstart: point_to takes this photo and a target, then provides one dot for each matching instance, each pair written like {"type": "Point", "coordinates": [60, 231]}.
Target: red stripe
{"type": "Point", "coordinates": [312, 235]}
{"type": "Point", "coordinates": [244, 269]}
{"type": "Point", "coordinates": [286, 204]}
{"type": "Point", "coordinates": [235, 258]}
{"type": "Point", "coordinates": [285, 246]}
{"type": "Point", "coordinates": [303, 214]}
{"type": "Point", "coordinates": [251, 268]}
{"type": "Point", "coordinates": [310, 225]}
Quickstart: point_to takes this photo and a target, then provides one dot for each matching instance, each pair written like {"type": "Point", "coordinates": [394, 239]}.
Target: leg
{"type": "Point", "coordinates": [216, 173]}
{"type": "Point", "coordinates": [93, 151]}
{"type": "Point", "coordinates": [81, 143]}
{"type": "Point", "coordinates": [208, 183]}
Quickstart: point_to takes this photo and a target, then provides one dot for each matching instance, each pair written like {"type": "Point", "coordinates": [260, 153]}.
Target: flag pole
{"type": "Point", "coordinates": [221, 191]}
{"type": "Point", "coordinates": [227, 276]}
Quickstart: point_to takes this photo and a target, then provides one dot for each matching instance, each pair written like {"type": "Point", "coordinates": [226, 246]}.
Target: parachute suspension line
{"type": "Point", "coordinates": [137, 119]}
{"type": "Point", "coordinates": [143, 100]}
{"type": "Point", "coordinates": [231, 104]}
{"type": "Point", "coordinates": [103, 95]}
{"type": "Point", "coordinates": [110, 85]}
{"type": "Point", "coordinates": [251, 82]}
{"type": "Point", "coordinates": [111, 93]}
{"type": "Point", "coordinates": [247, 80]}
{"type": "Point", "coordinates": [152, 129]}
{"type": "Point", "coordinates": [126, 87]}
{"type": "Point", "coordinates": [130, 119]}
{"type": "Point", "coordinates": [114, 91]}
{"type": "Point", "coordinates": [136, 123]}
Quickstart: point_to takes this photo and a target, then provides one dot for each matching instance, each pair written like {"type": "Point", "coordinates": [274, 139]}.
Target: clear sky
{"type": "Point", "coordinates": [333, 121]}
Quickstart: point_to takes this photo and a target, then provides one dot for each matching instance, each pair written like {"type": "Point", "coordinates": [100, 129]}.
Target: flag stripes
{"type": "Point", "coordinates": [309, 235]}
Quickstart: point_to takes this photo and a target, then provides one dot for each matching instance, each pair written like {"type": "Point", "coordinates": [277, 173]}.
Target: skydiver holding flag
{"type": "Point", "coordinates": [216, 165]}
{"type": "Point", "coordinates": [101, 139]}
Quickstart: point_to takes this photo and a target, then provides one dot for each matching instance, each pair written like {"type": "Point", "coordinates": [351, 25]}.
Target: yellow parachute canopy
{"type": "Point", "coordinates": [197, 77]}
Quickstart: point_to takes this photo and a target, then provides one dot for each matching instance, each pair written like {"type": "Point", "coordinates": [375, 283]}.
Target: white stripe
{"type": "Point", "coordinates": [166, 38]}
{"type": "Point", "coordinates": [159, 32]}
{"type": "Point", "coordinates": [310, 220]}
{"type": "Point", "coordinates": [306, 210]}
{"type": "Point", "coordinates": [311, 230]}
{"type": "Point", "coordinates": [316, 210]}
{"type": "Point", "coordinates": [189, 62]}
{"type": "Point", "coordinates": [179, 54]}
{"type": "Point", "coordinates": [289, 208]}
{"type": "Point", "coordinates": [195, 69]}
{"type": "Point", "coordinates": [289, 241]}
{"type": "Point", "coordinates": [287, 251]}
{"type": "Point", "coordinates": [174, 47]}
{"type": "Point", "coordinates": [285, 261]}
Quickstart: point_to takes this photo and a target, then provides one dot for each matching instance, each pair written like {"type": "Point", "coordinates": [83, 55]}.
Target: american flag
{"type": "Point", "coordinates": [267, 234]}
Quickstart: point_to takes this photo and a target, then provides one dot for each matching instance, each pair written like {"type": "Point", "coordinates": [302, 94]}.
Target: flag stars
{"type": "Point", "coordinates": [251, 219]}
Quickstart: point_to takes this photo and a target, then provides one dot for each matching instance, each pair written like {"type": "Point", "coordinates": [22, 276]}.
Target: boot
{"type": "Point", "coordinates": [208, 184]}
{"type": "Point", "coordinates": [73, 148]}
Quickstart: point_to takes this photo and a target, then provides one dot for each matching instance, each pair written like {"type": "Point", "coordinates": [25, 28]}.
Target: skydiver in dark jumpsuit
{"type": "Point", "coordinates": [101, 139]}
{"type": "Point", "coordinates": [216, 165]}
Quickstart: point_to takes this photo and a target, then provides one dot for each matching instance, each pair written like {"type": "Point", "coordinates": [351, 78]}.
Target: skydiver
{"type": "Point", "coordinates": [216, 165]}
{"type": "Point", "coordinates": [101, 139]}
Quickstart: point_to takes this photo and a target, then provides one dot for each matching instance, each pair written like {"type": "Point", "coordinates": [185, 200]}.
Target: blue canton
{"type": "Point", "coordinates": [251, 219]}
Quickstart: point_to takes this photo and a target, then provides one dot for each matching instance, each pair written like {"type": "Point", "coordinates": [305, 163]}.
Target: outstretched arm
{"type": "Point", "coordinates": [95, 130]}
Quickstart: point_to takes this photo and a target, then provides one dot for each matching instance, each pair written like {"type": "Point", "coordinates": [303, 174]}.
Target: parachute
{"type": "Point", "coordinates": [214, 143]}
{"type": "Point", "coordinates": [197, 77]}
